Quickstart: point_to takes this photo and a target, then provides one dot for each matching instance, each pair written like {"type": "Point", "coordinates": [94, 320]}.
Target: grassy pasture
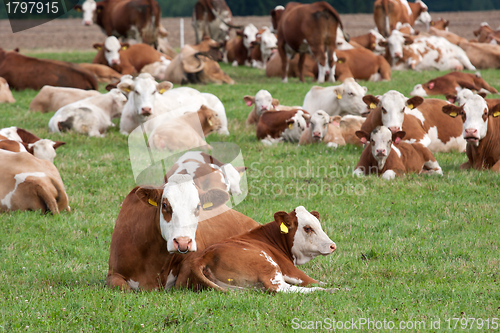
{"type": "Point", "coordinates": [415, 249]}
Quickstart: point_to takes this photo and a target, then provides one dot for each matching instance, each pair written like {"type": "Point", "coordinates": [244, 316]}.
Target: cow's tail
{"type": "Point", "coordinates": [336, 15]}
{"type": "Point", "coordinates": [149, 32]}
{"type": "Point", "coordinates": [387, 23]}
{"type": "Point", "coordinates": [62, 197]}
{"type": "Point", "coordinates": [49, 202]}
{"type": "Point", "coordinates": [199, 269]}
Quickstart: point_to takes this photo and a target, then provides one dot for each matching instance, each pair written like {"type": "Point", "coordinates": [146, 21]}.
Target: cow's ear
{"type": "Point", "coordinates": [408, 39]}
{"type": "Point", "coordinates": [164, 86]}
{"type": "Point", "coordinates": [482, 94]}
{"type": "Point", "coordinates": [98, 46]}
{"type": "Point", "coordinates": [452, 110]}
{"type": "Point", "coordinates": [341, 60]}
{"type": "Point", "coordinates": [495, 111]}
{"type": "Point", "coordinates": [125, 46]}
{"type": "Point", "coordinates": [126, 87]}
{"type": "Point", "coordinates": [58, 144]}
{"type": "Point", "coordinates": [398, 136]}
{"type": "Point", "coordinates": [241, 170]}
{"type": "Point", "coordinates": [111, 86]}
{"type": "Point", "coordinates": [451, 98]}
{"type": "Point", "coordinates": [275, 102]}
{"type": "Point", "coordinates": [335, 120]}
{"type": "Point", "coordinates": [363, 136]}
{"type": "Point", "coordinates": [315, 214]}
{"type": "Point", "coordinates": [283, 221]}
{"type": "Point", "coordinates": [78, 8]}
{"type": "Point", "coordinates": [339, 91]}
{"type": "Point", "coordinates": [150, 196]}
{"type": "Point", "coordinates": [383, 43]}
{"type": "Point", "coordinates": [249, 100]}
{"type": "Point", "coordinates": [306, 116]}
{"type": "Point", "coordinates": [414, 102]}
{"type": "Point", "coordinates": [213, 198]}
{"type": "Point", "coordinates": [371, 101]}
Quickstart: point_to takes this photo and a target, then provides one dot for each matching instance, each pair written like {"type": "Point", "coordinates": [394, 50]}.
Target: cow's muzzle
{"type": "Point", "coordinates": [183, 244]}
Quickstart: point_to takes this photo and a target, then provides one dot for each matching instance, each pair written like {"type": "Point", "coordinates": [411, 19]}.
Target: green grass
{"type": "Point", "coordinates": [412, 249]}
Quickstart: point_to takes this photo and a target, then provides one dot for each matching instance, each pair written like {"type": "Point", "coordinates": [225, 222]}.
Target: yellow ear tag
{"type": "Point", "coordinates": [372, 106]}
{"type": "Point", "coordinates": [453, 114]}
{"type": "Point", "coordinates": [339, 61]}
{"type": "Point", "coordinates": [162, 91]}
{"type": "Point", "coordinates": [124, 47]}
{"type": "Point", "coordinates": [339, 96]}
{"type": "Point", "coordinates": [283, 228]}
{"type": "Point", "coordinates": [410, 106]}
{"type": "Point", "coordinates": [207, 205]}
{"type": "Point", "coordinates": [290, 126]}
{"type": "Point", "coordinates": [152, 203]}
{"type": "Point", "coordinates": [209, 122]}
{"type": "Point", "coordinates": [496, 114]}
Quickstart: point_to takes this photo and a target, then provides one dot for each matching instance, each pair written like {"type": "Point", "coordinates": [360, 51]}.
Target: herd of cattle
{"type": "Point", "coordinates": [183, 234]}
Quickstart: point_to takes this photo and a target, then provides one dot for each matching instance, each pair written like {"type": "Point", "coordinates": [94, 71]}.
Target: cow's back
{"type": "Point", "coordinates": [272, 123]}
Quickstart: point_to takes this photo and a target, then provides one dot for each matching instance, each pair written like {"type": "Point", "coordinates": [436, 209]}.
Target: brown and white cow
{"type": "Point", "coordinates": [450, 36]}
{"type": "Point", "coordinates": [307, 28]}
{"type": "Point", "coordinates": [372, 41]}
{"type": "Point", "coordinates": [103, 73]}
{"type": "Point", "coordinates": [274, 124]}
{"type": "Point", "coordinates": [212, 18]}
{"type": "Point", "coordinates": [30, 183]}
{"type": "Point", "coordinates": [386, 155]}
{"type": "Point", "coordinates": [484, 32]}
{"type": "Point", "coordinates": [451, 83]}
{"type": "Point", "coordinates": [134, 19]}
{"type": "Point", "coordinates": [125, 58]}
{"type": "Point", "coordinates": [53, 98]}
{"type": "Point", "coordinates": [264, 46]}
{"type": "Point", "coordinates": [420, 119]}
{"type": "Point", "coordinates": [263, 101]}
{"type": "Point", "coordinates": [5, 93]}
{"type": "Point", "coordinates": [465, 94]}
{"type": "Point", "coordinates": [264, 258]}
{"type": "Point", "coordinates": [440, 24]}
{"type": "Point", "coordinates": [238, 49]}
{"type": "Point", "coordinates": [16, 139]}
{"type": "Point", "coordinates": [154, 223]}
{"type": "Point", "coordinates": [481, 128]}
{"type": "Point", "coordinates": [185, 132]}
{"type": "Point", "coordinates": [361, 64]}
{"type": "Point", "coordinates": [335, 131]}
{"type": "Point", "coordinates": [387, 13]}
{"type": "Point", "coordinates": [482, 55]}
{"type": "Point", "coordinates": [22, 72]}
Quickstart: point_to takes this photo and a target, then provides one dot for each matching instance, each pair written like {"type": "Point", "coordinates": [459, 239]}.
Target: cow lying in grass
{"type": "Point", "coordinates": [53, 98]}
{"type": "Point", "coordinates": [17, 140]}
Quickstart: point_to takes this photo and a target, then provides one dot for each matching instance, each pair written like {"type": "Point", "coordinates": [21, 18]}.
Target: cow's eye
{"type": "Point", "coordinates": [138, 93]}
{"type": "Point", "coordinates": [403, 110]}
{"type": "Point", "coordinates": [153, 92]}
{"type": "Point", "coordinates": [164, 205]}
{"type": "Point", "coordinates": [308, 229]}
{"type": "Point", "coordinates": [384, 111]}
{"type": "Point", "coordinates": [350, 93]}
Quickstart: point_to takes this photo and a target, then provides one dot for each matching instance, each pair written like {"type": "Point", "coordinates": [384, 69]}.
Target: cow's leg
{"type": "Point", "coordinates": [496, 167]}
{"type": "Point", "coordinates": [277, 283]}
{"type": "Point", "coordinates": [293, 275]}
{"type": "Point", "coordinates": [302, 58]}
{"type": "Point", "coordinates": [116, 280]}
{"type": "Point", "coordinates": [319, 54]}
{"type": "Point", "coordinates": [332, 62]}
{"type": "Point", "coordinates": [284, 62]}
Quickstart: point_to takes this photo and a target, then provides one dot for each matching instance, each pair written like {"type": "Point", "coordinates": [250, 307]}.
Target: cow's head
{"type": "Point", "coordinates": [142, 92]}
{"type": "Point", "coordinates": [119, 100]}
{"type": "Point", "coordinates": [297, 124]}
{"type": "Point", "coordinates": [249, 35]}
{"type": "Point", "coordinates": [392, 106]}
{"type": "Point", "coordinates": [475, 114]}
{"type": "Point", "coordinates": [268, 43]}
{"type": "Point", "coordinates": [349, 96]}
{"type": "Point", "coordinates": [395, 42]}
{"type": "Point", "coordinates": [463, 96]}
{"type": "Point", "coordinates": [179, 203]}
{"type": "Point", "coordinates": [211, 121]}
{"type": "Point", "coordinates": [304, 235]}
{"type": "Point", "coordinates": [378, 41]}
{"type": "Point", "coordinates": [89, 10]}
{"type": "Point", "coordinates": [45, 149]}
{"type": "Point", "coordinates": [263, 101]}
{"type": "Point", "coordinates": [111, 48]}
{"type": "Point", "coordinates": [381, 140]}
{"type": "Point", "coordinates": [440, 24]}
{"type": "Point", "coordinates": [319, 124]}
{"type": "Point", "coordinates": [419, 90]}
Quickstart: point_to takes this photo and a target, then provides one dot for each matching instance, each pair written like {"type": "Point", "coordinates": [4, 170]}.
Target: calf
{"type": "Point", "coordinates": [20, 140]}
{"type": "Point", "coordinates": [387, 156]}
{"type": "Point", "coordinates": [465, 94]}
{"type": "Point", "coordinates": [264, 258]}
{"type": "Point", "coordinates": [5, 93]}
{"type": "Point", "coordinates": [272, 124]}
{"type": "Point", "coordinates": [263, 101]}
{"type": "Point", "coordinates": [185, 132]}
{"type": "Point", "coordinates": [420, 119]}
{"type": "Point", "coordinates": [484, 32]}
{"type": "Point", "coordinates": [451, 83]}
{"type": "Point", "coordinates": [238, 48]}
{"type": "Point", "coordinates": [155, 222]}
{"type": "Point", "coordinates": [344, 99]}
{"type": "Point", "coordinates": [207, 172]}
{"type": "Point", "coordinates": [361, 64]}
{"type": "Point", "coordinates": [372, 41]}
{"type": "Point", "coordinates": [22, 72]}
{"type": "Point", "coordinates": [334, 131]}
{"type": "Point", "coordinates": [53, 98]}
{"type": "Point", "coordinates": [481, 127]}
{"type": "Point", "coordinates": [125, 58]}
{"type": "Point", "coordinates": [91, 116]}
{"type": "Point", "coordinates": [264, 45]}
{"type": "Point", "coordinates": [29, 183]}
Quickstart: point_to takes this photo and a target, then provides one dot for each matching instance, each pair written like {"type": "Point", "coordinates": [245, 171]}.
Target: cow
{"type": "Point", "coordinates": [155, 222]}
{"type": "Point", "coordinates": [185, 132]}
{"type": "Point", "coordinates": [450, 36]}
{"type": "Point", "coordinates": [131, 19]}
{"type": "Point", "coordinates": [125, 58]}
{"type": "Point", "coordinates": [482, 55]}
{"type": "Point", "coordinates": [238, 48]}
{"type": "Point", "coordinates": [30, 183]}
{"type": "Point", "coordinates": [386, 155]}
{"type": "Point", "coordinates": [207, 172]}
{"type": "Point", "coordinates": [212, 18]}
{"type": "Point", "coordinates": [344, 99]}
{"type": "Point", "coordinates": [103, 73]}
{"type": "Point", "coordinates": [361, 64]}
{"type": "Point", "coordinates": [275, 17]}
{"type": "Point", "coordinates": [53, 98]}
{"type": "Point", "coordinates": [484, 32]}
{"type": "Point", "coordinates": [426, 53]}
{"type": "Point", "coordinates": [440, 24]}
{"type": "Point", "coordinates": [372, 41]}
{"type": "Point", "coordinates": [22, 72]}
{"type": "Point", "coordinates": [481, 126]}
{"type": "Point", "coordinates": [274, 68]}
{"type": "Point", "coordinates": [304, 27]}
{"type": "Point", "coordinates": [91, 116]}
{"type": "Point", "coordinates": [387, 13]}
{"type": "Point", "coordinates": [274, 124]}
{"type": "Point", "coordinates": [465, 94]}
{"type": "Point", "coordinates": [264, 258]}
{"type": "Point", "coordinates": [451, 83]}
{"type": "Point", "coordinates": [157, 69]}
{"type": "Point", "coordinates": [20, 140]}
{"type": "Point", "coordinates": [334, 131]}
{"type": "Point", "coordinates": [263, 101]}
{"type": "Point", "coordinates": [5, 93]}
{"type": "Point", "coordinates": [265, 44]}
{"type": "Point", "coordinates": [420, 120]}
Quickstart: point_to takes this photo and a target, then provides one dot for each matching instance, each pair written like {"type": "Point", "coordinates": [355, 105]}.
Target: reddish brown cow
{"type": "Point", "coordinates": [135, 19]}
{"type": "Point", "coordinates": [451, 83]}
{"type": "Point", "coordinates": [387, 13]}
{"type": "Point", "coordinates": [304, 27]}
{"type": "Point", "coordinates": [274, 66]}
{"type": "Point", "coordinates": [361, 64]}
{"type": "Point", "coordinates": [273, 123]}
{"type": "Point", "coordinates": [22, 72]}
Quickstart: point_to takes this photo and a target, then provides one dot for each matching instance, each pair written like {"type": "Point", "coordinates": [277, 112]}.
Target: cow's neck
{"type": "Point", "coordinates": [270, 233]}
{"type": "Point", "coordinates": [488, 151]}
